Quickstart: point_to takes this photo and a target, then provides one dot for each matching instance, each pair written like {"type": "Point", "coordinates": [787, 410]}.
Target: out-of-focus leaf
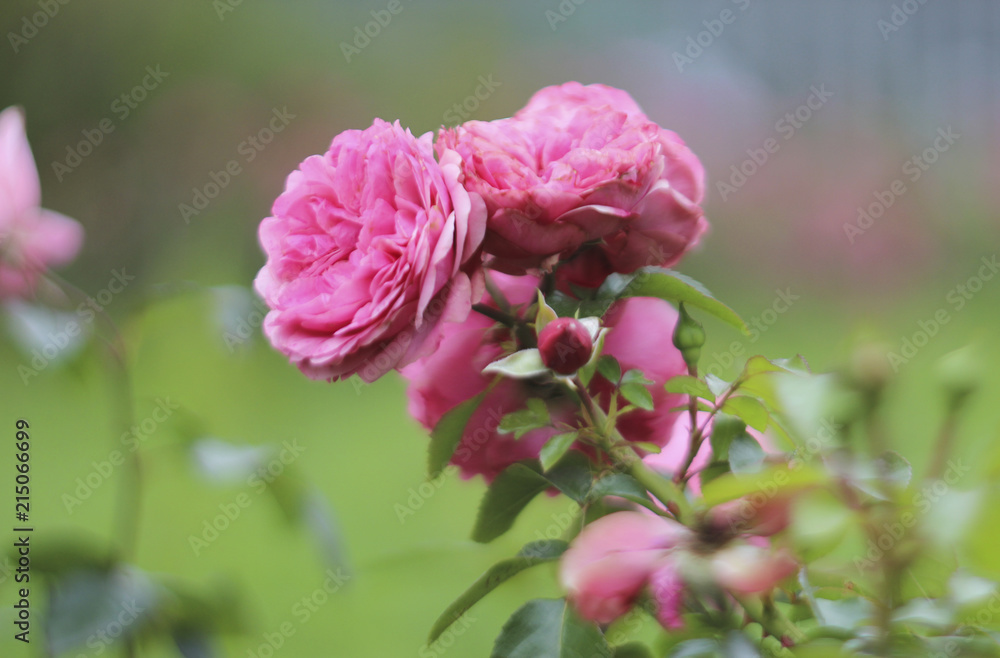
{"type": "Point", "coordinates": [847, 614]}
{"type": "Point", "coordinates": [532, 554]}
{"type": "Point", "coordinates": [738, 645]}
{"type": "Point", "coordinates": [549, 628]}
{"type": "Point", "coordinates": [698, 648]}
{"type": "Point", "coordinates": [749, 409]}
{"type": "Point", "coordinates": [775, 478]}
{"type": "Point", "coordinates": [193, 645]}
{"type": "Point", "coordinates": [688, 385]}
{"type": "Point", "coordinates": [322, 524]}
{"type": "Point", "coordinates": [85, 603]}
{"type": "Point", "coordinates": [46, 331]}
{"type": "Point", "coordinates": [228, 463]}
{"type": "Point", "coordinates": [632, 650]}
{"type": "Point", "coordinates": [725, 428]}
{"type": "Point", "coordinates": [745, 455]}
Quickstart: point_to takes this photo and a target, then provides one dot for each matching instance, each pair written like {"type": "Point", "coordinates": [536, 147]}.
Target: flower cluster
{"type": "Point", "coordinates": [382, 241]}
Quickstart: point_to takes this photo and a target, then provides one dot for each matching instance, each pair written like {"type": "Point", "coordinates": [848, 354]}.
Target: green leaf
{"type": "Point", "coordinates": [725, 428]}
{"type": "Point", "coordinates": [623, 486]}
{"type": "Point", "coordinates": [675, 287]}
{"type": "Point", "coordinates": [549, 628]}
{"type": "Point", "coordinates": [447, 434]}
{"type": "Point", "coordinates": [544, 315]}
{"type": "Point", "coordinates": [523, 364]}
{"type": "Point", "coordinates": [524, 420]}
{"type": "Point", "coordinates": [632, 650]}
{"type": "Point", "coordinates": [774, 479]}
{"type": "Point", "coordinates": [688, 385]}
{"type": "Point", "coordinates": [555, 448]}
{"type": "Point", "coordinates": [651, 448]}
{"type": "Point", "coordinates": [749, 409]}
{"type": "Point", "coordinates": [745, 455]}
{"type": "Point", "coordinates": [638, 395]}
{"type": "Point", "coordinates": [608, 366]}
{"type": "Point", "coordinates": [519, 483]}
{"type": "Point", "coordinates": [636, 376]}
{"type": "Point", "coordinates": [535, 553]}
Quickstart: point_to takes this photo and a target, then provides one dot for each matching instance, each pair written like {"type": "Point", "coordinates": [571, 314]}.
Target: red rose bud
{"type": "Point", "coordinates": [565, 345]}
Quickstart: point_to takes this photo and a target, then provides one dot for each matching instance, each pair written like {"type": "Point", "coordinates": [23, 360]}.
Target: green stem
{"type": "Point", "coordinates": [663, 489]}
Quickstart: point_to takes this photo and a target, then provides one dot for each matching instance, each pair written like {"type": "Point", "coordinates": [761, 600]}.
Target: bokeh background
{"type": "Point", "coordinates": [853, 95]}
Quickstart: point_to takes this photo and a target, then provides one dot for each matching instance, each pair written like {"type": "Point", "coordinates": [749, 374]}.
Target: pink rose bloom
{"type": "Point", "coordinates": [618, 557]}
{"type": "Point", "coordinates": [581, 173]}
{"type": "Point", "coordinates": [639, 337]}
{"type": "Point", "coordinates": [32, 239]}
{"type": "Point", "coordinates": [370, 249]}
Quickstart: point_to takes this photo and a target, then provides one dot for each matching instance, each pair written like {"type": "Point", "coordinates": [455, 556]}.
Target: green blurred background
{"type": "Point", "coordinates": [227, 67]}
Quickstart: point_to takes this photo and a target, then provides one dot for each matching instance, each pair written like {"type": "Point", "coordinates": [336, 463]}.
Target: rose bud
{"type": "Point", "coordinates": [565, 345]}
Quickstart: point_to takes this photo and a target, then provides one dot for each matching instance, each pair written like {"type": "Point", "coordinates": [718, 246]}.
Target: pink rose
{"type": "Point", "coordinates": [611, 561]}
{"type": "Point", "coordinates": [371, 248]}
{"type": "Point", "coordinates": [639, 337]}
{"type": "Point", "coordinates": [32, 239]}
{"type": "Point", "coordinates": [618, 557]}
{"type": "Point", "coordinates": [581, 173]}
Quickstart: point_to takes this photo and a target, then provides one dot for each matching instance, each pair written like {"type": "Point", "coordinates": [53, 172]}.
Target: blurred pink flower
{"type": "Point", "coordinates": [618, 557]}
{"type": "Point", "coordinates": [371, 248]}
{"type": "Point", "coordinates": [639, 337]}
{"type": "Point", "coordinates": [32, 239]}
{"type": "Point", "coordinates": [580, 172]}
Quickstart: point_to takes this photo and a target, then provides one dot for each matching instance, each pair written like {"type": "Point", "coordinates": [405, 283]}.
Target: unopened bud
{"type": "Point", "coordinates": [689, 336]}
{"type": "Point", "coordinates": [565, 345]}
